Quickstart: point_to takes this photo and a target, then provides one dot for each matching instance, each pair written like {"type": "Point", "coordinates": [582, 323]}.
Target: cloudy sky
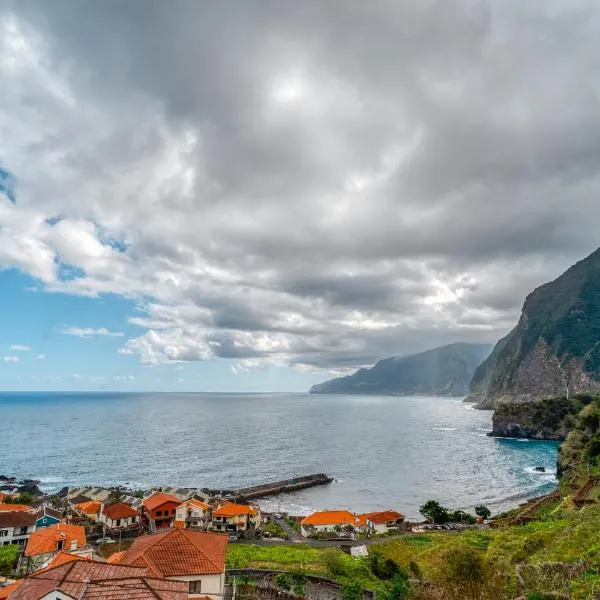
{"type": "Point", "coordinates": [255, 195]}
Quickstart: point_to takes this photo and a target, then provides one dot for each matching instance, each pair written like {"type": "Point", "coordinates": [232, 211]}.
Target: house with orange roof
{"type": "Point", "coordinates": [118, 516]}
{"type": "Point", "coordinates": [159, 508]}
{"type": "Point", "coordinates": [45, 543]}
{"type": "Point", "coordinates": [94, 580]}
{"type": "Point", "coordinates": [324, 521]}
{"type": "Point", "coordinates": [380, 522]}
{"type": "Point", "coordinates": [195, 557]}
{"type": "Point", "coordinates": [232, 518]}
{"type": "Point", "coordinates": [90, 509]}
{"type": "Point", "coordinates": [192, 513]}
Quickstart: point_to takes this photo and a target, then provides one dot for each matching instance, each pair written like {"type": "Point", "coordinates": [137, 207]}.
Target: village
{"type": "Point", "coordinates": [171, 541]}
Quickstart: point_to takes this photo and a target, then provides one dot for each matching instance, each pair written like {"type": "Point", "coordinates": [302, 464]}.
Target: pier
{"type": "Point", "coordinates": [277, 487]}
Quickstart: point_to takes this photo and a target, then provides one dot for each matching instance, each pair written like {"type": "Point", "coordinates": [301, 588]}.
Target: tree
{"type": "Point", "coordinates": [434, 512]}
{"type": "Point", "coordinates": [115, 495]}
{"type": "Point", "coordinates": [483, 511]}
{"type": "Point", "coordinates": [8, 558]}
{"type": "Point", "coordinates": [460, 516]}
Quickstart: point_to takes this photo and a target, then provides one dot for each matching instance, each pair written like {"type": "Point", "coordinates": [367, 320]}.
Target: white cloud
{"type": "Point", "coordinates": [316, 213]}
{"type": "Point", "coordinates": [12, 359]}
{"type": "Point", "coordinates": [124, 378]}
{"type": "Point", "coordinates": [88, 332]}
{"type": "Point", "coordinates": [20, 348]}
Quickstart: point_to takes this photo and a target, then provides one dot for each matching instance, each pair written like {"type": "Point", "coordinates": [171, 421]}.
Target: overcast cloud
{"type": "Point", "coordinates": [319, 184]}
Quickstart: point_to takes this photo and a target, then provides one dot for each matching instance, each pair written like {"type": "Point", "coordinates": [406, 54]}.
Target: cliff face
{"type": "Point", "coordinates": [444, 371]}
{"type": "Point", "coordinates": [555, 348]}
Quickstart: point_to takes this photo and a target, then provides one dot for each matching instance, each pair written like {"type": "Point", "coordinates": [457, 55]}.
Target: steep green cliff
{"type": "Point", "coordinates": [555, 348]}
{"type": "Point", "coordinates": [444, 371]}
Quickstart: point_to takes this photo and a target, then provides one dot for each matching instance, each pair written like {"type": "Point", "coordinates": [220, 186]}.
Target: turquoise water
{"type": "Point", "coordinates": [384, 452]}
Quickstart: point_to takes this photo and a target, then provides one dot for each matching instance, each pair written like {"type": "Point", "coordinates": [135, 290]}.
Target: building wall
{"type": "Point", "coordinates": [317, 529]}
{"type": "Point", "coordinates": [211, 585]}
{"type": "Point", "coordinates": [46, 521]}
{"type": "Point", "coordinates": [113, 524]}
{"type": "Point", "coordinates": [15, 535]}
{"type": "Point", "coordinates": [162, 519]}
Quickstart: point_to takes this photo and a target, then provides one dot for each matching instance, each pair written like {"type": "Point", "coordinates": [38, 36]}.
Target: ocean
{"type": "Point", "coordinates": [383, 451]}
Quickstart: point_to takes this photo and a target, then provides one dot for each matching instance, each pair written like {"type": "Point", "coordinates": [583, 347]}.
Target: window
{"type": "Point", "coordinates": [195, 587]}
{"type": "Point", "coordinates": [118, 522]}
{"type": "Point", "coordinates": [3, 532]}
{"type": "Point", "coordinates": [159, 513]}
{"type": "Point", "coordinates": [23, 531]}
{"type": "Point", "coordinates": [60, 544]}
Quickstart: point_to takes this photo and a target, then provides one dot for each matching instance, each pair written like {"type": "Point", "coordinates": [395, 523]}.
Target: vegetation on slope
{"type": "Point", "coordinates": [555, 347]}
{"type": "Point", "coordinates": [555, 548]}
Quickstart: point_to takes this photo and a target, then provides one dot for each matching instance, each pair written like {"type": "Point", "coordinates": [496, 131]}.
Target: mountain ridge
{"type": "Point", "coordinates": [441, 371]}
{"type": "Point", "coordinates": [554, 350]}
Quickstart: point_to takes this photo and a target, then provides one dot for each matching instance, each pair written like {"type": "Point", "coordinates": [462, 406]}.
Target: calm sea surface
{"type": "Point", "coordinates": [384, 452]}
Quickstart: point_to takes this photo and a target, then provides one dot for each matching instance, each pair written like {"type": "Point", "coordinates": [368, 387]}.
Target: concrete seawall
{"type": "Point", "coordinates": [276, 487]}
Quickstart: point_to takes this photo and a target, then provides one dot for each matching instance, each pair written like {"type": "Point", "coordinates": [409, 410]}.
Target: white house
{"type": "Point", "coordinates": [231, 518]}
{"type": "Point", "coordinates": [324, 521]}
{"type": "Point", "coordinates": [118, 516]}
{"type": "Point", "coordinates": [381, 522]}
{"type": "Point", "coordinates": [196, 557]}
{"type": "Point", "coordinates": [192, 513]}
{"type": "Point", "coordinates": [16, 527]}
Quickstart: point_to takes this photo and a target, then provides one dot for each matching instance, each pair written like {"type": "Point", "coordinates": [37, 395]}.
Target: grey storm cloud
{"type": "Point", "coordinates": [318, 184]}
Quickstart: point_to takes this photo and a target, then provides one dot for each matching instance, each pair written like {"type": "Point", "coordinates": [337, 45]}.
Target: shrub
{"type": "Point", "coordinates": [464, 571]}
{"type": "Point", "coordinates": [334, 560]}
{"type": "Point", "coordinates": [352, 590]}
{"type": "Point", "coordinates": [8, 558]}
{"type": "Point", "coordinates": [415, 570]}
{"type": "Point", "coordinates": [383, 568]}
{"type": "Point", "coordinates": [400, 588]}
{"type": "Point", "coordinates": [283, 582]}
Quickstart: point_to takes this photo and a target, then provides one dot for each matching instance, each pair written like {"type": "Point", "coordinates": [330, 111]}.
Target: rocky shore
{"type": "Point", "coordinates": [544, 419]}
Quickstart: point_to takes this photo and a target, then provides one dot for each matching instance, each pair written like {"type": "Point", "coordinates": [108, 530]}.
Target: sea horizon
{"type": "Point", "coordinates": [383, 451]}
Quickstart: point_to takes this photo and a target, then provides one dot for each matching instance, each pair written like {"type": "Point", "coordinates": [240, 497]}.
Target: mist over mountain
{"type": "Point", "coordinates": [444, 371]}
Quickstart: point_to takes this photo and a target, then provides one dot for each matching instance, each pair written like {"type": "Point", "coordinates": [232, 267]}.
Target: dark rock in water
{"type": "Point", "coordinates": [549, 419]}
{"type": "Point", "coordinates": [540, 469]}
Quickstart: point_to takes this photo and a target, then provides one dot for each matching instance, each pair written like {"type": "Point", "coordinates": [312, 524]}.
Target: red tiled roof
{"type": "Point", "coordinates": [7, 590]}
{"type": "Point", "coordinates": [91, 580]}
{"type": "Point", "coordinates": [158, 499]}
{"type": "Point", "coordinates": [16, 519]}
{"type": "Point", "coordinates": [178, 552]}
{"type": "Point", "coordinates": [233, 510]}
{"type": "Point", "coordinates": [115, 558]}
{"type": "Point", "coordinates": [89, 508]}
{"type": "Point", "coordinates": [14, 507]}
{"type": "Point", "coordinates": [382, 517]}
{"type": "Point", "coordinates": [197, 503]}
{"type": "Point", "coordinates": [330, 517]}
{"type": "Point", "coordinates": [120, 510]}
{"type": "Point", "coordinates": [44, 541]}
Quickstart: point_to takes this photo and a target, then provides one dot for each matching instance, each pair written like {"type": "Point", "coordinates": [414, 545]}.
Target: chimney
{"type": "Point", "coordinates": [73, 544]}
